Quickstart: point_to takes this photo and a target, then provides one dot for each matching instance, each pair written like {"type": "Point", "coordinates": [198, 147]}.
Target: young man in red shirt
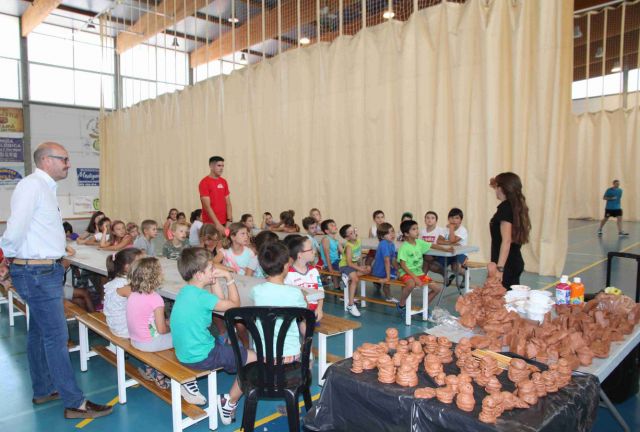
{"type": "Point", "coordinates": [214, 195]}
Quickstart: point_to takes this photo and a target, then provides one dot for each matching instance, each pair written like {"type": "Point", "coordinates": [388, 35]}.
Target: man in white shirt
{"type": "Point", "coordinates": [34, 242]}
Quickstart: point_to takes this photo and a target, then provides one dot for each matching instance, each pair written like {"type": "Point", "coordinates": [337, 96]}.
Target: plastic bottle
{"type": "Point", "coordinates": [563, 291]}
{"type": "Point", "coordinates": [577, 291]}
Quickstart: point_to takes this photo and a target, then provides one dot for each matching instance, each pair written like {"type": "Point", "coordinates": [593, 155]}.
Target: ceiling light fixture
{"type": "Point", "coordinates": [599, 52]}
{"type": "Point", "coordinates": [233, 20]}
{"type": "Point", "coordinates": [388, 14]}
{"type": "Point", "coordinates": [616, 67]}
{"type": "Point", "coordinates": [305, 41]}
{"type": "Point", "coordinates": [175, 42]}
{"type": "Point", "coordinates": [577, 33]}
{"type": "Point", "coordinates": [90, 24]}
{"type": "Point", "coordinates": [243, 58]}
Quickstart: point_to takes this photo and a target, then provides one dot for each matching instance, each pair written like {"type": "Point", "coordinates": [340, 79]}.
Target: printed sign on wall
{"type": "Point", "coordinates": [11, 174]}
{"type": "Point", "coordinates": [11, 149]}
{"type": "Point", "coordinates": [11, 120]}
{"type": "Point", "coordinates": [88, 176]}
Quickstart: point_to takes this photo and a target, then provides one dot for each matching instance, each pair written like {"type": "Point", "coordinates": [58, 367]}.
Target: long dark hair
{"type": "Point", "coordinates": [91, 228]}
{"type": "Point", "coordinates": [117, 262]}
{"type": "Point", "coordinates": [512, 188]}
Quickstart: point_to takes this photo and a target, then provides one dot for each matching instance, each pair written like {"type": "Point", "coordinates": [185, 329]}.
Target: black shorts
{"type": "Point", "coordinates": [612, 213]}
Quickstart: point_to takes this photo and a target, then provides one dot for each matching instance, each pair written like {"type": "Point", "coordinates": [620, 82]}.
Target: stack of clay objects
{"type": "Point", "coordinates": [413, 359]}
{"type": "Point", "coordinates": [445, 394]}
{"type": "Point", "coordinates": [538, 381]}
{"type": "Point", "coordinates": [464, 399]}
{"type": "Point", "coordinates": [424, 393]}
{"type": "Point", "coordinates": [471, 367]}
{"type": "Point", "coordinates": [440, 378]}
{"type": "Point", "coordinates": [407, 376]}
{"type": "Point", "coordinates": [356, 363]}
{"type": "Point", "coordinates": [386, 370]}
{"type": "Point", "coordinates": [391, 338]}
{"type": "Point", "coordinates": [443, 351]}
{"type": "Point", "coordinates": [430, 344]}
{"type": "Point", "coordinates": [491, 408]}
{"type": "Point", "coordinates": [488, 369]}
{"type": "Point", "coordinates": [416, 350]}
{"type": "Point", "coordinates": [518, 370]}
{"type": "Point", "coordinates": [577, 334]}
{"type": "Point", "coordinates": [564, 373]}
{"type": "Point", "coordinates": [511, 401]}
{"type": "Point", "coordinates": [433, 365]}
{"type": "Point", "coordinates": [493, 386]}
{"type": "Point", "coordinates": [403, 346]}
{"type": "Point", "coordinates": [527, 391]}
{"type": "Point", "coordinates": [463, 351]}
{"type": "Point", "coordinates": [370, 353]}
{"type": "Point", "coordinates": [398, 359]}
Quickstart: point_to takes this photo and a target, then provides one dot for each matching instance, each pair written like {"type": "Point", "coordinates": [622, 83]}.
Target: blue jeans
{"type": "Point", "coordinates": [40, 286]}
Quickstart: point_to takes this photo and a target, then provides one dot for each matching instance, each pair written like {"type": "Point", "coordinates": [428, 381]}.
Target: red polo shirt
{"type": "Point", "coordinates": [217, 191]}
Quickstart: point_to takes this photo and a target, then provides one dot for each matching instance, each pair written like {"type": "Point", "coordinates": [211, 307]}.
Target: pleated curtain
{"type": "Point", "coordinates": [403, 116]}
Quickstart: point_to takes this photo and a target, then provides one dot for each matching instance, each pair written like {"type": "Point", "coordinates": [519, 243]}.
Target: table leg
{"type": "Point", "coordinates": [322, 357]}
{"type": "Point", "coordinates": [614, 412]}
{"type": "Point", "coordinates": [445, 274]}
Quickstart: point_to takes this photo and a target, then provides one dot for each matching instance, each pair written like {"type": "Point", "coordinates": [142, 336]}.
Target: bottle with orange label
{"type": "Point", "coordinates": [577, 291]}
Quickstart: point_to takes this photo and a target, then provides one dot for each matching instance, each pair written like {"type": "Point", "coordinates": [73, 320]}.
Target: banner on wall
{"type": "Point", "coordinates": [11, 149]}
{"type": "Point", "coordinates": [11, 174]}
{"type": "Point", "coordinates": [84, 204]}
{"type": "Point", "coordinates": [88, 176]}
{"type": "Point", "coordinates": [11, 120]}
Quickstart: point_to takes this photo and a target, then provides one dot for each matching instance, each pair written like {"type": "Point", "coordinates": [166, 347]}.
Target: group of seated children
{"type": "Point", "coordinates": [135, 310]}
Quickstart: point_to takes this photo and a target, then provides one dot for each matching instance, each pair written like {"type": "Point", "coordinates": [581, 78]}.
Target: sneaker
{"type": "Point", "coordinates": [191, 393]}
{"type": "Point", "coordinates": [392, 300]}
{"type": "Point", "coordinates": [353, 310]}
{"type": "Point", "coordinates": [623, 234]}
{"type": "Point", "coordinates": [401, 309]}
{"type": "Point", "coordinates": [599, 233]}
{"type": "Point", "coordinates": [226, 410]}
{"type": "Point", "coordinates": [451, 279]}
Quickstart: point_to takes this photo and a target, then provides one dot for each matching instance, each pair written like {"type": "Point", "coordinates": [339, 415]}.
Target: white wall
{"type": "Point", "coordinates": [76, 129]}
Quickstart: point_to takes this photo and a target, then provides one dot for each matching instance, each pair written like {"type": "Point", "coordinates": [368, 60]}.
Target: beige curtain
{"type": "Point", "coordinates": [605, 147]}
{"type": "Point", "coordinates": [412, 115]}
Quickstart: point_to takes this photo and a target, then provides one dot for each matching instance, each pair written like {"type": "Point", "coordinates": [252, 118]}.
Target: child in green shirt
{"type": "Point", "coordinates": [410, 257]}
{"type": "Point", "coordinates": [350, 266]}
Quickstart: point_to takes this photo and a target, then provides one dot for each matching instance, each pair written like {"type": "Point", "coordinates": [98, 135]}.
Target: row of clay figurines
{"type": "Point", "coordinates": [434, 352]}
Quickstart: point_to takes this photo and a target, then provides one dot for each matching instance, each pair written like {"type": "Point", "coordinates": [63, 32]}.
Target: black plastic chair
{"type": "Point", "coordinates": [268, 377]}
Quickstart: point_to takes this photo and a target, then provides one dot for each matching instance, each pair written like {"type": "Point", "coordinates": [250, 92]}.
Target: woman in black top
{"type": "Point", "coordinates": [509, 227]}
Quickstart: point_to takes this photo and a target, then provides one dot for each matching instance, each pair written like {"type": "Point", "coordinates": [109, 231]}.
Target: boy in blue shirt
{"type": "Point", "coordinates": [385, 265]}
{"type": "Point", "coordinates": [274, 260]}
{"type": "Point", "coordinates": [191, 318]}
{"type": "Point", "coordinates": [613, 208]}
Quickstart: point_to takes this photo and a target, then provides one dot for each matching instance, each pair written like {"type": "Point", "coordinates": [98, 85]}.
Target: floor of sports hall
{"type": "Point", "coordinates": [144, 411]}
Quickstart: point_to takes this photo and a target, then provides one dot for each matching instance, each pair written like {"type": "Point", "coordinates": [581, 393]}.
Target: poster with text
{"type": "Point", "coordinates": [11, 149]}
{"type": "Point", "coordinates": [11, 120]}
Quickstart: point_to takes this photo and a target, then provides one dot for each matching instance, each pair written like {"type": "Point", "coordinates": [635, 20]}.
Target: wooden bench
{"type": "Point", "coordinates": [331, 325]}
{"type": "Point", "coordinates": [164, 361]}
{"type": "Point", "coordinates": [409, 309]}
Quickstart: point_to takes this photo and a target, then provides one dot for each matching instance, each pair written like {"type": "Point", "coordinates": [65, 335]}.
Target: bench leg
{"type": "Point", "coordinates": [363, 293]}
{"type": "Point", "coordinates": [83, 337]}
{"type": "Point", "coordinates": [407, 310]}
{"type": "Point", "coordinates": [11, 312]}
{"type": "Point", "coordinates": [176, 406]}
{"type": "Point", "coordinates": [322, 357]}
{"type": "Point", "coordinates": [122, 379]}
{"type": "Point", "coordinates": [348, 344]}
{"type": "Point", "coordinates": [425, 302]}
{"type": "Point", "coordinates": [212, 409]}
{"type": "Point", "coordinates": [26, 311]}
{"type": "Point", "coordinates": [345, 296]}
{"type": "Point", "coordinates": [467, 280]}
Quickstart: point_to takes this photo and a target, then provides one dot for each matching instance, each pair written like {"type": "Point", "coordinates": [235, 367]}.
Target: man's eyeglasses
{"type": "Point", "coordinates": [62, 158]}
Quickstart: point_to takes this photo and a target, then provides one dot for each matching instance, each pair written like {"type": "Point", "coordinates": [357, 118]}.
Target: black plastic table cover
{"type": "Point", "coordinates": [359, 402]}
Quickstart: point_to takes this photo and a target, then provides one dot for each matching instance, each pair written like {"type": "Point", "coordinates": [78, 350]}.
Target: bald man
{"type": "Point", "coordinates": [35, 243]}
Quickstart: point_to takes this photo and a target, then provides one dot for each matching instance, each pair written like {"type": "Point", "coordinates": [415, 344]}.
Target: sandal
{"type": "Point", "coordinates": [158, 378]}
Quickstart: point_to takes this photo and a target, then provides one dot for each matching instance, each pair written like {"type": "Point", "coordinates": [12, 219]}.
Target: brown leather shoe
{"type": "Point", "coordinates": [44, 399]}
{"type": "Point", "coordinates": [91, 411]}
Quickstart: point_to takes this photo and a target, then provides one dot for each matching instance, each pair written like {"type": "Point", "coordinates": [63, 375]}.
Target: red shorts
{"type": "Point", "coordinates": [424, 278]}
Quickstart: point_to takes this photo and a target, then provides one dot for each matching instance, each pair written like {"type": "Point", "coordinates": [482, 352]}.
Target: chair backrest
{"type": "Point", "coordinates": [270, 364]}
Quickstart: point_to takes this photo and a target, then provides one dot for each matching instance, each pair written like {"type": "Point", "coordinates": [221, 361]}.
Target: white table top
{"type": "Point", "coordinates": [95, 260]}
{"type": "Point", "coordinates": [600, 367]}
